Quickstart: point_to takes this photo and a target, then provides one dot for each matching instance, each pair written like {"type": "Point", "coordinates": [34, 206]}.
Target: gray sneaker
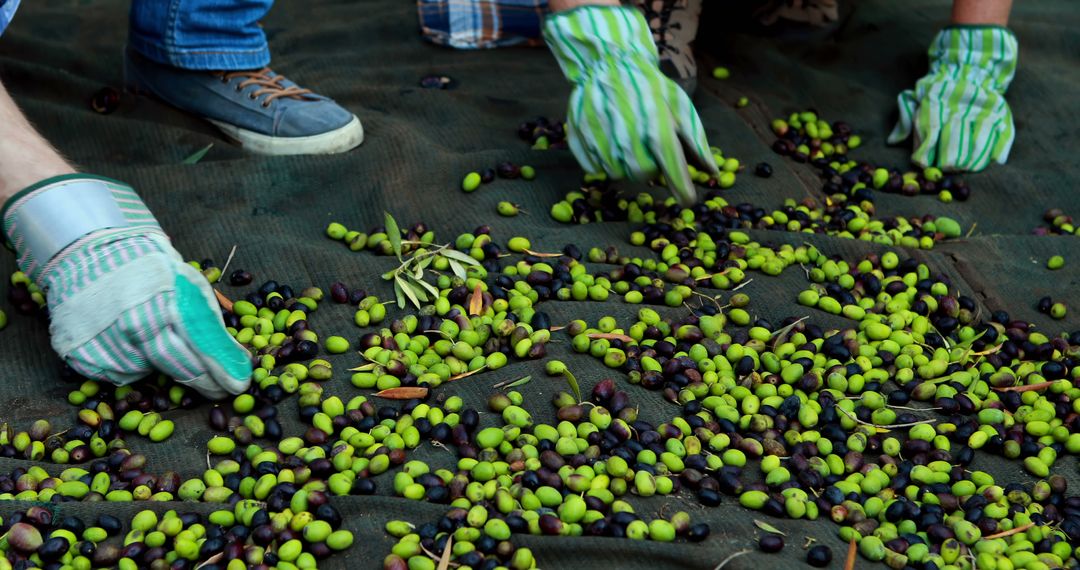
{"type": "Point", "coordinates": [262, 111]}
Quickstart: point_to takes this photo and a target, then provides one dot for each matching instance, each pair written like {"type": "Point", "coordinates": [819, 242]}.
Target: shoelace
{"type": "Point", "coordinates": [269, 86]}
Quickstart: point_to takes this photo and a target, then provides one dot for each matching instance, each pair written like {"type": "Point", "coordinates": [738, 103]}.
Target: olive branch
{"type": "Point", "coordinates": [408, 277]}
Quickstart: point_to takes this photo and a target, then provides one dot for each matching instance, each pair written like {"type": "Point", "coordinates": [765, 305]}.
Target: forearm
{"type": "Point", "coordinates": [993, 12]}
{"type": "Point", "coordinates": [25, 157]}
{"type": "Point", "coordinates": [560, 5]}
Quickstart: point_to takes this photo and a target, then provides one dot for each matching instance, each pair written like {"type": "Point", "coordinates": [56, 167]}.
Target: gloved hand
{"type": "Point", "coordinates": [958, 110]}
{"type": "Point", "coordinates": [625, 117]}
{"type": "Point", "coordinates": [122, 302]}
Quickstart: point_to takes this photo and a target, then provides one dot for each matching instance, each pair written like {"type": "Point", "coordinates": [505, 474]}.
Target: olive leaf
{"type": "Point", "coordinates": [519, 382]}
{"type": "Point", "coordinates": [403, 393]}
{"type": "Point", "coordinates": [466, 374]}
{"type": "Point", "coordinates": [430, 288]}
{"type": "Point", "coordinates": [408, 277]}
{"type": "Point", "coordinates": [611, 336]}
{"type": "Point", "coordinates": [849, 561]}
{"type": "Point", "coordinates": [573, 384]}
{"type": "Point", "coordinates": [768, 527]}
{"type": "Point", "coordinates": [444, 560]}
{"type": "Point", "coordinates": [476, 301]}
{"type": "Point", "coordinates": [459, 256]}
{"type": "Point", "coordinates": [393, 233]}
{"type": "Point", "coordinates": [457, 268]}
{"type": "Point", "coordinates": [197, 155]}
{"type": "Point", "coordinates": [513, 383]}
{"type": "Point", "coordinates": [401, 285]}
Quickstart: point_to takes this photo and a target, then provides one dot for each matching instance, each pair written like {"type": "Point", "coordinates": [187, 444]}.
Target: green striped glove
{"type": "Point", "coordinates": [625, 117]}
{"type": "Point", "coordinates": [958, 110]}
{"type": "Point", "coordinates": [122, 302]}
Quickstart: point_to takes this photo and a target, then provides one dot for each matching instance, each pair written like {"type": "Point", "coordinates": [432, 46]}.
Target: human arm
{"type": "Point", "coordinates": [625, 117]}
{"type": "Point", "coordinates": [981, 12]}
{"type": "Point", "coordinates": [121, 300]}
{"type": "Point", "coordinates": [957, 113]}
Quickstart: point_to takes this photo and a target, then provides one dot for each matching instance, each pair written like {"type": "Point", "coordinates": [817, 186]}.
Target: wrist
{"type": "Point", "coordinates": [981, 12]}
{"type": "Point", "coordinates": [563, 5]}
{"type": "Point", "coordinates": [48, 217]}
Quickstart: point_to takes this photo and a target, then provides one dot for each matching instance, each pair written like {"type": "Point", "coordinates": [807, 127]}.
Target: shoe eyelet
{"type": "Point", "coordinates": [252, 95]}
{"type": "Point", "coordinates": [239, 89]}
{"type": "Point", "coordinates": [266, 104]}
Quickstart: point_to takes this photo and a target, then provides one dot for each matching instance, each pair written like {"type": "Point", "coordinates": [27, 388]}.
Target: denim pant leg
{"type": "Point", "coordinates": [200, 34]}
{"type": "Point", "coordinates": [7, 12]}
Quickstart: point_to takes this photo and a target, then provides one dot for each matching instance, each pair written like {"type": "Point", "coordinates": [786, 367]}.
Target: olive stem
{"type": "Point", "coordinates": [743, 284]}
{"type": "Point", "coordinates": [232, 252]}
{"type": "Point", "coordinates": [731, 557]}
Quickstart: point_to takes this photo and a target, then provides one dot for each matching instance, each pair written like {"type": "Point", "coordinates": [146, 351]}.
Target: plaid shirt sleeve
{"type": "Point", "coordinates": [476, 24]}
{"type": "Point", "coordinates": [7, 12]}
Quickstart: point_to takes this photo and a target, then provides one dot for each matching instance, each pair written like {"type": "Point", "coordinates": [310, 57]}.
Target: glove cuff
{"type": "Point", "coordinates": [43, 220]}
{"type": "Point", "coordinates": [583, 37]}
{"type": "Point", "coordinates": [980, 53]}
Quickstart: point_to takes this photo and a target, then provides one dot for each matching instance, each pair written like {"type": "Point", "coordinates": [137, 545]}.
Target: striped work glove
{"type": "Point", "coordinates": [625, 117]}
{"type": "Point", "coordinates": [122, 302]}
{"type": "Point", "coordinates": [958, 110]}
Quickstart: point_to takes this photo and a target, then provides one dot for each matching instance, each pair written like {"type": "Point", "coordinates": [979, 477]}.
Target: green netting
{"type": "Point", "coordinates": [369, 57]}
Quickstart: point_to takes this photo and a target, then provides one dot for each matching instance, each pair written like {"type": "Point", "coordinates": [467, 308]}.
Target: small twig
{"type": "Point", "coordinates": [913, 409]}
{"type": "Point", "coordinates": [1026, 388]}
{"type": "Point", "coordinates": [743, 284]}
{"type": "Point", "coordinates": [232, 252]}
{"type": "Point", "coordinates": [890, 426]}
{"type": "Point", "coordinates": [1010, 532]}
{"type": "Point", "coordinates": [732, 557]}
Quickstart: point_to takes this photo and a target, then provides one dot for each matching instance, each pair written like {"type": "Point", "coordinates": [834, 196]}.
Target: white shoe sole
{"type": "Point", "coordinates": [338, 140]}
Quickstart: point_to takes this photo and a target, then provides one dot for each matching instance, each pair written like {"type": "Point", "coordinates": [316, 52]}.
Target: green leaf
{"type": "Point", "coordinates": [399, 292]}
{"type": "Point", "coordinates": [573, 384]}
{"type": "Point", "coordinates": [462, 257]}
{"type": "Point", "coordinates": [430, 288]}
{"type": "Point", "coordinates": [767, 527]}
{"type": "Point", "coordinates": [393, 233]}
{"type": "Point", "coordinates": [197, 155]}
{"type": "Point", "coordinates": [457, 268]}
{"type": "Point", "coordinates": [519, 382]}
{"type": "Point", "coordinates": [513, 383]}
{"type": "Point", "coordinates": [971, 341]}
{"type": "Point", "coordinates": [407, 290]}
{"type": "Point", "coordinates": [418, 291]}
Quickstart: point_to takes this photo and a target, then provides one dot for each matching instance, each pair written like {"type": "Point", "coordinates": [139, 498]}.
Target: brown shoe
{"type": "Point", "coordinates": [674, 24]}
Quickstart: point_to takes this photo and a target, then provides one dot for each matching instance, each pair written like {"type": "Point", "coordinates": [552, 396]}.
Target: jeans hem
{"type": "Point", "coordinates": [203, 60]}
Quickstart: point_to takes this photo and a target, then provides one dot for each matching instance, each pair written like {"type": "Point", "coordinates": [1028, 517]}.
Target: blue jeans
{"type": "Point", "coordinates": [192, 34]}
{"type": "Point", "coordinates": [200, 34]}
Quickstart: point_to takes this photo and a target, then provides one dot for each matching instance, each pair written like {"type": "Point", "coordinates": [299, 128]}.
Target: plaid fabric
{"type": "Point", "coordinates": [476, 24]}
{"type": "Point", "coordinates": [7, 12]}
